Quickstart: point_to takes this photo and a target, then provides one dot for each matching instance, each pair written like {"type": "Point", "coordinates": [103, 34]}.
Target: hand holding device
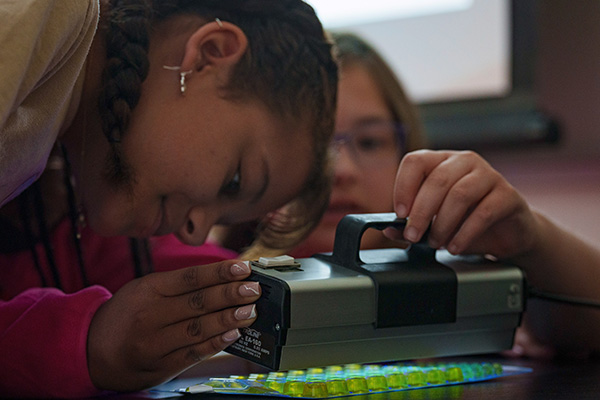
{"type": "Point", "coordinates": [469, 207]}
{"type": "Point", "coordinates": [159, 325]}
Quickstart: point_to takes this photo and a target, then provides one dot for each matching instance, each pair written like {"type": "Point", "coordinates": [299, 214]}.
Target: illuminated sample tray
{"type": "Point", "coordinates": [355, 379]}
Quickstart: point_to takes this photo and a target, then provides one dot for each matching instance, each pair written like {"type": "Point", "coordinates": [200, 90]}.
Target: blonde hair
{"type": "Point", "coordinates": [351, 50]}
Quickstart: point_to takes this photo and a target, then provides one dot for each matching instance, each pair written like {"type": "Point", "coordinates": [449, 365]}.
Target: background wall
{"type": "Point", "coordinates": [563, 180]}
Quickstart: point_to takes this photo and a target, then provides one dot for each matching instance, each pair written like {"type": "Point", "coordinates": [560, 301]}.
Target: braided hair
{"type": "Point", "coordinates": [288, 66]}
{"type": "Point", "coordinates": [30, 219]}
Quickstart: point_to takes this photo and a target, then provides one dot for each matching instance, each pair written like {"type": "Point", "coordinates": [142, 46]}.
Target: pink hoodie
{"type": "Point", "coordinates": [43, 331]}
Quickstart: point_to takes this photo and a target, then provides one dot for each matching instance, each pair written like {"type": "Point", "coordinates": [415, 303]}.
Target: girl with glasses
{"type": "Point", "coordinates": [376, 124]}
{"type": "Point", "coordinates": [470, 208]}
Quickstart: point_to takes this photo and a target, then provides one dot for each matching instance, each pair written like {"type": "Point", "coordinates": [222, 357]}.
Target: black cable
{"type": "Point", "coordinates": [559, 298]}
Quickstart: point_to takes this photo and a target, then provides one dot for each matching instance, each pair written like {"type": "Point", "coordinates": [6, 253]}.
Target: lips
{"type": "Point", "coordinates": [152, 229]}
{"type": "Point", "coordinates": [158, 226]}
{"type": "Point", "coordinates": [163, 226]}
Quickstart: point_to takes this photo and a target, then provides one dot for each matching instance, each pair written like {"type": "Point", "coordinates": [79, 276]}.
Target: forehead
{"type": "Point", "coordinates": [359, 95]}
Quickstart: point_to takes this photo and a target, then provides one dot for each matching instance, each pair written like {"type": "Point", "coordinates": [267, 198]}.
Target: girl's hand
{"type": "Point", "coordinates": [471, 208]}
{"type": "Point", "coordinates": [159, 325]}
{"type": "Point", "coordinates": [526, 345]}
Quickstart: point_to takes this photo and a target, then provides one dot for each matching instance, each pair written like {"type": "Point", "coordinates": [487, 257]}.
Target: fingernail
{"type": "Point", "coordinates": [240, 268]}
{"type": "Point", "coordinates": [246, 312]}
{"type": "Point", "coordinates": [411, 234]}
{"type": "Point", "coordinates": [390, 232]}
{"type": "Point", "coordinates": [453, 249]}
{"type": "Point", "coordinates": [517, 349]}
{"type": "Point", "coordinates": [401, 210]}
{"type": "Point", "coordinates": [232, 335]}
{"type": "Point", "coordinates": [250, 289]}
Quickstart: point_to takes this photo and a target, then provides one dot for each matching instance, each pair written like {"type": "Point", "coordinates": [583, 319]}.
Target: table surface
{"type": "Point", "coordinates": [549, 380]}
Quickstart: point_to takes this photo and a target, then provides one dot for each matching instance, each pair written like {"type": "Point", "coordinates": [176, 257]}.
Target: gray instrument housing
{"type": "Point", "coordinates": [322, 313]}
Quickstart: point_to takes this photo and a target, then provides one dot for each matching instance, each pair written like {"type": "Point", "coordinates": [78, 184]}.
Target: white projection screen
{"type": "Point", "coordinates": [442, 50]}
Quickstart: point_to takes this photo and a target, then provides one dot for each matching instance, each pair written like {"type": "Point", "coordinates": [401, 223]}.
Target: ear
{"type": "Point", "coordinates": [215, 44]}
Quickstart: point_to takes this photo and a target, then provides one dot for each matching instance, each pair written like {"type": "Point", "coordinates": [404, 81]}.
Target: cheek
{"type": "Point", "coordinates": [377, 189]}
{"type": "Point", "coordinates": [108, 210]}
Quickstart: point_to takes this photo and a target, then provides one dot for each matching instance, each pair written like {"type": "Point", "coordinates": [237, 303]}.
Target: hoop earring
{"type": "Point", "coordinates": [219, 22]}
{"type": "Point", "coordinates": [182, 77]}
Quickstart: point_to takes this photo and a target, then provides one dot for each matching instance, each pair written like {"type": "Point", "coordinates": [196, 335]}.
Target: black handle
{"type": "Point", "coordinates": [346, 247]}
{"type": "Point", "coordinates": [423, 289]}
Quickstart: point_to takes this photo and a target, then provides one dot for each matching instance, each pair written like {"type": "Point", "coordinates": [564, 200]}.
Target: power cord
{"type": "Point", "coordinates": [559, 298]}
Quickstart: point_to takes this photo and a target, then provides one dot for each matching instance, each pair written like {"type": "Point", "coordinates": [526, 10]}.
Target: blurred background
{"type": "Point", "coordinates": [516, 80]}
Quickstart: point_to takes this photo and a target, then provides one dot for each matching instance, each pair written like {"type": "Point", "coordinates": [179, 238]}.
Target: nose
{"type": "Point", "coordinates": [345, 168]}
{"type": "Point", "coordinates": [196, 228]}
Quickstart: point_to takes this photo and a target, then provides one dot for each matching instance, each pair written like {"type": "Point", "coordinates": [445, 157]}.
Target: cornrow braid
{"type": "Point", "coordinates": [127, 43]}
{"type": "Point", "coordinates": [288, 66]}
{"type": "Point", "coordinates": [126, 67]}
{"type": "Point", "coordinates": [277, 71]}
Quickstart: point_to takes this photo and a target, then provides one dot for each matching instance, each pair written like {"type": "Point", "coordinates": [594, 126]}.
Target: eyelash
{"type": "Point", "coordinates": [233, 187]}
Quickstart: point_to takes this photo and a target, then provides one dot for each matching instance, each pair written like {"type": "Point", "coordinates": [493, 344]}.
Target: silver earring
{"type": "Point", "coordinates": [218, 21]}
{"type": "Point", "coordinates": [182, 77]}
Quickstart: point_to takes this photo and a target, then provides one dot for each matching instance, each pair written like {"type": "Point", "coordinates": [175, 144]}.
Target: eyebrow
{"type": "Point", "coordinates": [367, 120]}
{"type": "Point", "coordinates": [265, 183]}
{"type": "Point", "coordinates": [373, 119]}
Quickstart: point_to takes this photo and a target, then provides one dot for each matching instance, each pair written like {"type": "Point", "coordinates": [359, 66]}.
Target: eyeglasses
{"type": "Point", "coordinates": [372, 144]}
